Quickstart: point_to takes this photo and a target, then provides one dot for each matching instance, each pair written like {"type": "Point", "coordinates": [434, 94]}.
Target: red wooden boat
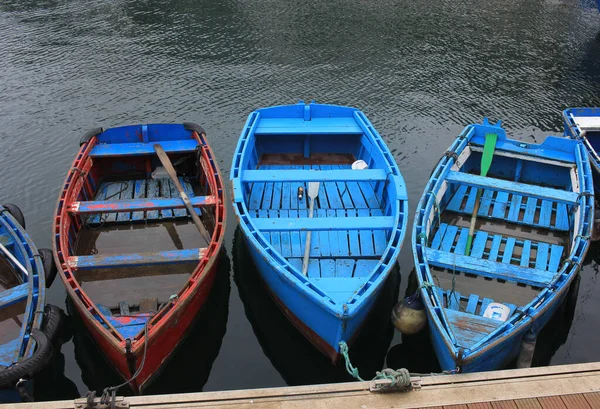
{"type": "Point", "coordinates": [132, 258]}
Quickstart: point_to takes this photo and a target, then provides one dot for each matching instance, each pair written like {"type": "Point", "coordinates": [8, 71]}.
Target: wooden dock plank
{"type": "Point", "coordinates": [593, 399]}
{"type": "Point", "coordinates": [504, 404]}
{"type": "Point", "coordinates": [576, 400]}
{"type": "Point", "coordinates": [552, 402]}
{"type": "Point", "coordinates": [524, 387]}
{"type": "Point", "coordinates": [531, 403]}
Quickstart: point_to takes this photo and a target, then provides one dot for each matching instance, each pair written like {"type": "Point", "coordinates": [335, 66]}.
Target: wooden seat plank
{"type": "Point", "coordinates": [367, 247]}
{"type": "Point", "coordinates": [137, 149]}
{"type": "Point", "coordinates": [324, 174]}
{"type": "Point", "coordinates": [514, 211]}
{"type": "Point", "coordinates": [453, 299]}
{"type": "Point", "coordinates": [470, 205]}
{"type": "Point", "coordinates": [541, 259]}
{"type": "Point", "coordinates": [135, 259]}
{"type": "Point", "coordinates": [486, 202]}
{"type": "Point", "coordinates": [487, 268]}
{"type": "Point", "coordinates": [286, 239]}
{"type": "Point", "coordinates": [138, 205]}
{"type": "Point", "coordinates": [562, 217]}
{"type": "Point", "coordinates": [524, 189]}
{"type": "Point", "coordinates": [14, 295]}
{"type": "Point", "coordinates": [353, 235]}
{"type": "Point", "coordinates": [327, 267]}
{"type": "Point", "coordinates": [364, 268]}
{"type": "Point", "coordinates": [484, 304]}
{"type": "Point", "coordinates": [342, 242]}
{"type": "Point", "coordinates": [439, 234]}
{"type": "Point", "coordinates": [275, 235]}
{"type": "Point", "coordinates": [139, 193]}
{"type": "Point", "coordinates": [126, 194]}
{"type": "Point", "coordinates": [379, 237]}
{"type": "Point", "coordinates": [303, 223]}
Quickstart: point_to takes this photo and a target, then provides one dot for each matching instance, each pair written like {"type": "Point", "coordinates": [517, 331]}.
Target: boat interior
{"type": "Point", "coordinates": [521, 238]}
{"type": "Point", "coordinates": [275, 178]}
{"type": "Point", "coordinates": [134, 245]}
{"type": "Point", "coordinates": [13, 302]}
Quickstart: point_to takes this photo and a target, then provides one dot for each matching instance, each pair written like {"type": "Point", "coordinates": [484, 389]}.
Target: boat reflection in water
{"type": "Point", "coordinates": [189, 368]}
{"type": "Point", "coordinates": [295, 358]}
{"type": "Point", "coordinates": [416, 352]}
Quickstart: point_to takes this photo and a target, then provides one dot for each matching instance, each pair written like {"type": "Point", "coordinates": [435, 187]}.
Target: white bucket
{"type": "Point", "coordinates": [497, 311]}
{"type": "Point", "coordinates": [359, 165]}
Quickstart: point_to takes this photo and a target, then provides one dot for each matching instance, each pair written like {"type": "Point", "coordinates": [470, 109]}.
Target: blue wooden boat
{"type": "Point", "coordinates": [532, 232]}
{"type": "Point", "coordinates": [583, 124]}
{"type": "Point", "coordinates": [358, 223]}
{"type": "Point", "coordinates": [25, 340]}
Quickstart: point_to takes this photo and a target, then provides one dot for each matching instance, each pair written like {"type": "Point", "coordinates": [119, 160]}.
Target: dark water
{"type": "Point", "coordinates": [420, 70]}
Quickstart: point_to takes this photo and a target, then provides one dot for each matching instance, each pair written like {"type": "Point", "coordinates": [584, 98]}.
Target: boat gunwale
{"type": "Point", "coordinates": [575, 132]}
{"type": "Point", "coordinates": [543, 301]}
{"type": "Point", "coordinates": [283, 267]}
{"type": "Point", "coordinates": [70, 191]}
{"type": "Point", "coordinates": [36, 274]}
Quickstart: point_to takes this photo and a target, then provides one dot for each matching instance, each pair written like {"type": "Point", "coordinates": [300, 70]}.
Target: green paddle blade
{"type": "Point", "coordinates": [488, 152]}
{"type": "Point", "coordinates": [486, 161]}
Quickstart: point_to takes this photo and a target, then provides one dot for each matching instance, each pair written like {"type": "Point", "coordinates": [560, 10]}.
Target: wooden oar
{"type": "Point", "coordinates": [486, 162]}
{"type": "Point", "coordinates": [313, 192]}
{"type": "Point", "coordinates": [166, 162]}
{"type": "Point", "coordinates": [14, 260]}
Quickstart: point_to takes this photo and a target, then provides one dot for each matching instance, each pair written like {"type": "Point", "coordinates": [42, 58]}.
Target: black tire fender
{"type": "Point", "coordinates": [90, 134]}
{"type": "Point", "coordinates": [190, 126]}
{"type": "Point", "coordinates": [54, 326]}
{"type": "Point", "coordinates": [28, 367]}
{"type": "Point", "coordinates": [49, 266]}
{"type": "Point", "coordinates": [16, 213]}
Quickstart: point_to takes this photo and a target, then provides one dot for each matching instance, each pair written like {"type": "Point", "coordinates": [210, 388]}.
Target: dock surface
{"type": "Point", "coordinates": [564, 386]}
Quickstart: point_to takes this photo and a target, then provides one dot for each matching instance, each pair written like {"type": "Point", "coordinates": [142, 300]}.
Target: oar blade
{"type": "Point", "coordinates": [313, 189]}
{"type": "Point", "coordinates": [488, 152]}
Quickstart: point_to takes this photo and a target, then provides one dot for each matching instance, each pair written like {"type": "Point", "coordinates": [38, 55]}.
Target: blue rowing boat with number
{"type": "Point", "coordinates": [27, 326]}
{"type": "Point", "coordinates": [285, 156]}
{"type": "Point", "coordinates": [583, 124]}
{"type": "Point", "coordinates": [534, 208]}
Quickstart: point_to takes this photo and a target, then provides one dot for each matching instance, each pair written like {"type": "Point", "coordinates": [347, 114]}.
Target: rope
{"type": "Point", "coordinates": [397, 378]}
{"type": "Point", "coordinates": [351, 370]}
{"type": "Point", "coordinates": [109, 395]}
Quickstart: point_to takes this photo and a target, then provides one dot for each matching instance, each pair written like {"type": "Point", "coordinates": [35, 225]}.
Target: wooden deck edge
{"type": "Point", "coordinates": [435, 391]}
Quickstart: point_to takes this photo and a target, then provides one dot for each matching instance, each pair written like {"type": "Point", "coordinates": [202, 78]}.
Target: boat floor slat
{"type": "Point", "coordinates": [469, 329]}
{"type": "Point", "coordinates": [132, 192]}
{"type": "Point", "coordinates": [527, 211]}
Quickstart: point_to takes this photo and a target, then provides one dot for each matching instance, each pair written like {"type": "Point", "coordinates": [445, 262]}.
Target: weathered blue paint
{"type": "Point", "coordinates": [327, 223]}
{"type": "Point", "coordinates": [129, 205]}
{"type": "Point", "coordinates": [135, 259]}
{"type": "Point", "coordinates": [492, 184]}
{"type": "Point", "coordinates": [528, 185]}
{"type": "Point", "coordinates": [358, 224]}
{"type": "Point", "coordinates": [292, 175]}
{"type": "Point", "coordinates": [134, 149]}
{"type": "Point", "coordinates": [32, 290]}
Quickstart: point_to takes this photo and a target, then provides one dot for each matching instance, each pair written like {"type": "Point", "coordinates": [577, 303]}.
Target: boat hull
{"type": "Point", "coordinates": [162, 342]}
{"type": "Point", "coordinates": [318, 325]}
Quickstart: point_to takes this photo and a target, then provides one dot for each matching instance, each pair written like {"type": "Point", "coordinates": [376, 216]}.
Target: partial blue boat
{"type": "Point", "coordinates": [531, 234]}
{"type": "Point", "coordinates": [25, 335]}
{"type": "Point", "coordinates": [358, 223]}
{"type": "Point", "coordinates": [583, 124]}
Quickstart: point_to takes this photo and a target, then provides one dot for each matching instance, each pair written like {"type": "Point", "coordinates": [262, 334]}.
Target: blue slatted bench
{"type": "Point", "coordinates": [314, 126]}
{"type": "Point", "coordinates": [122, 194]}
{"type": "Point", "coordinates": [14, 295]}
{"type": "Point", "coordinates": [313, 175]}
{"type": "Point", "coordinates": [511, 208]}
{"type": "Point", "coordinates": [524, 189]}
{"type": "Point", "coordinates": [453, 239]}
{"type": "Point", "coordinates": [487, 268]}
{"type": "Point", "coordinates": [141, 148]}
{"type": "Point", "coordinates": [135, 259]}
{"type": "Point", "coordinates": [130, 205]}
{"type": "Point", "coordinates": [327, 223]}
